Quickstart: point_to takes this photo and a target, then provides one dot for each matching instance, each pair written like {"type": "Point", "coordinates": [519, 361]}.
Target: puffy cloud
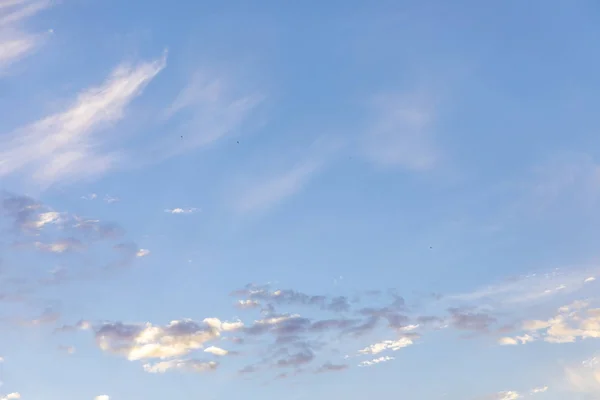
{"type": "Point", "coordinates": [182, 365]}
{"type": "Point", "coordinates": [102, 397]}
{"type": "Point", "coordinates": [147, 341]}
{"type": "Point", "coordinates": [573, 322]}
{"type": "Point", "coordinates": [217, 351]}
{"type": "Point", "coordinates": [11, 396]}
{"type": "Point", "coordinates": [387, 345]}
{"type": "Point", "coordinates": [513, 341]}
{"type": "Point", "coordinates": [509, 395]}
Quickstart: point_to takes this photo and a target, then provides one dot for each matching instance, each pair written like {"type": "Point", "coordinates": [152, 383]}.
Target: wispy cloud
{"type": "Point", "coordinates": [584, 377]}
{"type": "Point", "coordinates": [67, 145]}
{"type": "Point", "coordinates": [535, 287]}
{"type": "Point", "coordinates": [207, 109]}
{"type": "Point", "coordinates": [276, 188]}
{"type": "Point", "coordinates": [400, 132]}
{"type": "Point", "coordinates": [15, 41]}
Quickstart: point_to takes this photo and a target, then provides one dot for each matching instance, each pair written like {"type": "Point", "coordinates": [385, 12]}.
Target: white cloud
{"type": "Point", "coordinates": [584, 377]}
{"type": "Point", "coordinates": [527, 289]}
{"type": "Point", "coordinates": [15, 43]}
{"type": "Point", "coordinates": [184, 365]}
{"type": "Point", "coordinates": [208, 109]}
{"type": "Point", "coordinates": [67, 145]}
{"type": "Point", "coordinates": [277, 188]}
{"type": "Point", "coordinates": [387, 345]}
{"type": "Point", "coordinates": [217, 351]}
{"type": "Point", "coordinates": [510, 395]}
{"type": "Point", "coordinates": [375, 361]}
{"type": "Point", "coordinates": [541, 389]}
{"type": "Point", "coordinates": [142, 253]}
{"type": "Point", "coordinates": [508, 341]}
{"type": "Point", "coordinates": [589, 279]}
{"type": "Point", "coordinates": [248, 303]}
{"type": "Point", "coordinates": [11, 396]}
{"type": "Point", "coordinates": [573, 322]}
{"type": "Point", "coordinates": [181, 210]}
{"type": "Point", "coordinates": [102, 397]}
{"type": "Point", "coordinates": [400, 133]}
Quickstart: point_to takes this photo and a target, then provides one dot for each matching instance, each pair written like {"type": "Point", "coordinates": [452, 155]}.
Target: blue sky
{"type": "Point", "coordinates": [341, 199]}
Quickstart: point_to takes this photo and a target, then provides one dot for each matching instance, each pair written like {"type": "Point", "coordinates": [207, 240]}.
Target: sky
{"type": "Point", "coordinates": [299, 200]}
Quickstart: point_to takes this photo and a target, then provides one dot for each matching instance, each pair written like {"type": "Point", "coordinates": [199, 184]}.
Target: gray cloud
{"type": "Point", "coordinates": [329, 367]}
{"type": "Point", "coordinates": [465, 319]}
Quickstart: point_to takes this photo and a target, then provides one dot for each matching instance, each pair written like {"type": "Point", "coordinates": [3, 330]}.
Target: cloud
{"type": "Point", "coordinates": [541, 389]}
{"type": "Point", "coordinates": [182, 365]}
{"type": "Point", "coordinates": [583, 377]}
{"type": "Point", "coordinates": [15, 42]}
{"type": "Point", "coordinates": [465, 319]}
{"type": "Point", "coordinates": [297, 359]}
{"type": "Point", "coordinates": [275, 189]}
{"type": "Point", "coordinates": [142, 253]}
{"type": "Point", "coordinates": [292, 297]}
{"type": "Point", "coordinates": [400, 132]}
{"type": "Point", "coordinates": [181, 210]}
{"type": "Point", "coordinates": [61, 246]}
{"type": "Point", "coordinates": [329, 367]}
{"type": "Point", "coordinates": [573, 322]}
{"type": "Point", "coordinates": [509, 395]}
{"type": "Point", "coordinates": [513, 341]}
{"type": "Point", "coordinates": [244, 304]}
{"type": "Point", "coordinates": [527, 289]}
{"type": "Point", "coordinates": [11, 396]}
{"type": "Point", "coordinates": [375, 361]}
{"type": "Point", "coordinates": [102, 397]}
{"type": "Point", "coordinates": [387, 345]}
{"type": "Point", "coordinates": [71, 144]}
{"type": "Point", "coordinates": [217, 351]}
{"type": "Point", "coordinates": [206, 110]}
{"type": "Point", "coordinates": [147, 341]}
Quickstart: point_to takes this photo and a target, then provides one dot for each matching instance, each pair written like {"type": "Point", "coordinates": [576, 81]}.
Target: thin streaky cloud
{"type": "Point", "coordinates": [66, 145]}
{"type": "Point", "coordinates": [207, 109]}
{"type": "Point", "coordinates": [277, 188]}
{"type": "Point", "coordinates": [400, 132]}
{"type": "Point", "coordinates": [28, 9]}
{"type": "Point", "coordinates": [15, 41]}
